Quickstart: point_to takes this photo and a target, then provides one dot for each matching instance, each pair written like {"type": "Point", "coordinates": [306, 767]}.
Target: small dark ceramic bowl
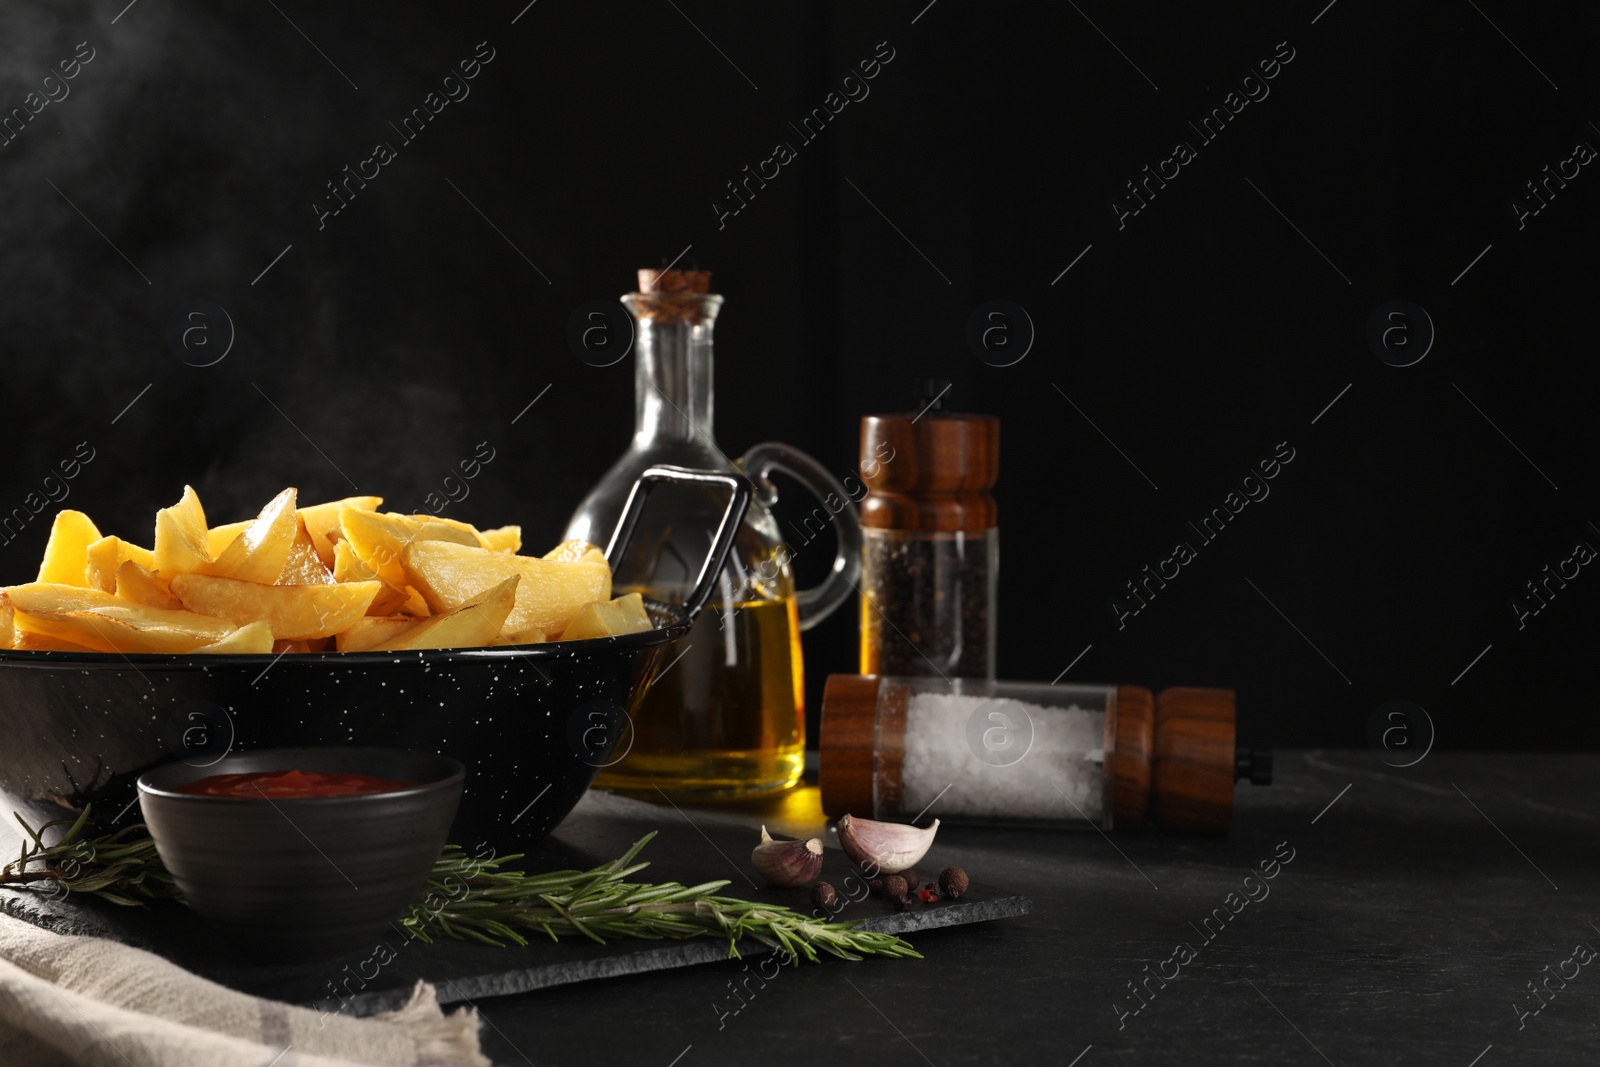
{"type": "Point", "coordinates": [309, 877]}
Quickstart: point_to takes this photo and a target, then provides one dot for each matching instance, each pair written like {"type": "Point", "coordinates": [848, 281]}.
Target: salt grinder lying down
{"type": "Point", "coordinates": [1023, 752]}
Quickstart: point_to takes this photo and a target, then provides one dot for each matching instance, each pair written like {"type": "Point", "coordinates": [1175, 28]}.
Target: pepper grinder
{"type": "Point", "coordinates": [930, 549]}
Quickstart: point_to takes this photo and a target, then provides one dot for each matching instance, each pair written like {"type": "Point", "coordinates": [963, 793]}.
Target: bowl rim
{"type": "Point", "coordinates": [455, 779]}
{"type": "Point", "coordinates": [545, 650]}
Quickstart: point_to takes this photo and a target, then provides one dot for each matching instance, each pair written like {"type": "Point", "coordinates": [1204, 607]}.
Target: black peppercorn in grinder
{"type": "Point", "coordinates": [930, 541]}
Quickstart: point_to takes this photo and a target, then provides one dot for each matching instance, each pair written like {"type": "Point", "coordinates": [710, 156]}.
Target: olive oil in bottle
{"type": "Point", "coordinates": [725, 714]}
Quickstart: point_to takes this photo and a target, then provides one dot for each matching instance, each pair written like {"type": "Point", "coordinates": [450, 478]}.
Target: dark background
{"type": "Point", "coordinates": [378, 351]}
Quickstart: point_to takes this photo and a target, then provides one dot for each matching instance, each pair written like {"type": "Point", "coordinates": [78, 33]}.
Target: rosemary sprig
{"type": "Point", "coordinates": [122, 868]}
{"type": "Point", "coordinates": [478, 899]}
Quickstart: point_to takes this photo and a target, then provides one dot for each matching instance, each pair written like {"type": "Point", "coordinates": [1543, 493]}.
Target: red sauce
{"type": "Point", "coordinates": [289, 785]}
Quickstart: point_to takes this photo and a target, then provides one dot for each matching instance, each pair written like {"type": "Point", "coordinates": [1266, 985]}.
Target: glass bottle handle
{"type": "Point", "coordinates": [820, 601]}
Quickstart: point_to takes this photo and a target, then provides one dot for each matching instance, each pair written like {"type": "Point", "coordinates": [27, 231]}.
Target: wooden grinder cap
{"type": "Point", "coordinates": [847, 750]}
{"type": "Point", "coordinates": [1192, 772]}
{"type": "Point", "coordinates": [930, 471]}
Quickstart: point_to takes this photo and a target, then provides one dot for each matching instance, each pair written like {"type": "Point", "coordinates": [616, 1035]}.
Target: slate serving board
{"type": "Point", "coordinates": [693, 845]}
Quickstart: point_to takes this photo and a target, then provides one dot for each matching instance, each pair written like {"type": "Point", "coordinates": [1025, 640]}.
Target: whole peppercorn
{"type": "Point", "coordinates": [912, 879]}
{"type": "Point", "coordinates": [876, 886]}
{"type": "Point", "coordinates": [894, 887]}
{"type": "Point", "coordinates": [953, 880]}
{"type": "Point", "coordinates": [823, 895]}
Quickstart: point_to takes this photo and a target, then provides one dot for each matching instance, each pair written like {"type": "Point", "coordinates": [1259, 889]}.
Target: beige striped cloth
{"type": "Point", "coordinates": [70, 1001]}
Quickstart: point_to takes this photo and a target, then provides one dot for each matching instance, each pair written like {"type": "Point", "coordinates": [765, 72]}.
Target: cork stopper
{"type": "Point", "coordinates": [674, 281]}
{"type": "Point", "coordinates": [674, 296]}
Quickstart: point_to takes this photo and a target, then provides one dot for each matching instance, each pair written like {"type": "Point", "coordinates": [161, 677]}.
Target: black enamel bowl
{"type": "Point", "coordinates": [532, 724]}
{"type": "Point", "coordinates": [306, 877]}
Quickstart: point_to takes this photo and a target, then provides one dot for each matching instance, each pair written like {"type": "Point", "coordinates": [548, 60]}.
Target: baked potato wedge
{"type": "Point", "coordinates": [66, 553]}
{"type": "Point", "coordinates": [551, 591]}
{"type": "Point", "coordinates": [293, 612]}
{"type": "Point", "coordinates": [110, 553]}
{"type": "Point", "coordinates": [601, 618]}
{"type": "Point", "coordinates": [472, 625]}
{"type": "Point", "coordinates": [182, 543]}
{"type": "Point", "coordinates": [322, 522]}
{"type": "Point", "coordinates": [260, 550]}
{"type": "Point", "coordinates": [105, 623]}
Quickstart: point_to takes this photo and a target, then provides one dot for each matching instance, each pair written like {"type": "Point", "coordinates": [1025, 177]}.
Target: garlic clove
{"type": "Point", "coordinates": [886, 847]}
{"type": "Point", "coordinates": [787, 863]}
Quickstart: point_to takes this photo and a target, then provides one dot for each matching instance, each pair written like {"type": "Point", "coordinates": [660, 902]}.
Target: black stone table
{"type": "Point", "coordinates": [1406, 915]}
{"type": "Point", "coordinates": [1417, 907]}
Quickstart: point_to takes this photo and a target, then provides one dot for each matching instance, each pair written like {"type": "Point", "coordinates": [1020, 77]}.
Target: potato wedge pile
{"type": "Point", "coordinates": [340, 576]}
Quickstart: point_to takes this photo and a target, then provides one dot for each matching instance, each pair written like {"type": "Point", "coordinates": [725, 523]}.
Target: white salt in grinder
{"type": "Point", "coordinates": [970, 750]}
